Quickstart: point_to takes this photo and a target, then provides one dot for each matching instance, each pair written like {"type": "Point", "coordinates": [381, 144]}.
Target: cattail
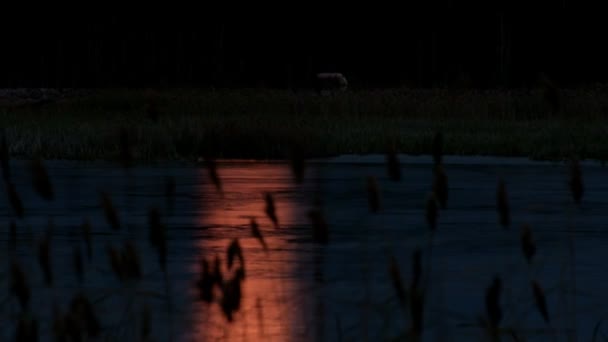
{"type": "Point", "coordinates": [15, 201]}
{"type": "Point", "coordinates": [110, 212]}
{"type": "Point", "coordinates": [417, 311]}
{"type": "Point", "coordinates": [4, 156]}
{"type": "Point", "coordinates": [541, 302]}
{"type": "Point", "coordinates": [59, 325]}
{"type": "Point", "coordinates": [41, 180]}
{"type": "Point", "coordinates": [234, 250]}
{"type": "Point", "coordinates": [19, 286]}
{"type": "Point", "coordinates": [82, 307]}
{"type": "Point", "coordinates": [320, 230]}
{"type": "Point", "coordinates": [205, 282]}
{"type": "Point", "coordinates": [27, 329]}
{"type": "Point", "coordinates": [116, 262]}
{"type": "Point", "coordinates": [297, 163]}
{"type": "Point", "coordinates": [576, 182]}
{"type": "Point", "coordinates": [393, 165]}
{"type": "Point", "coordinates": [73, 326]}
{"type": "Point", "coordinates": [438, 148]}
{"type": "Point", "coordinates": [126, 156]}
{"type": "Point", "coordinates": [416, 268]}
{"type": "Point", "coordinates": [493, 303]}
{"type": "Point", "coordinates": [86, 235]}
{"type": "Point", "coordinates": [270, 209]}
{"type": "Point", "coordinates": [440, 186]}
{"type": "Point", "coordinates": [12, 236]}
{"type": "Point", "coordinates": [146, 322]}
{"type": "Point", "coordinates": [231, 298]}
{"type": "Point", "coordinates": [397, 282]}
{"type": "Point", "coordinates": [44, 259]}
{"type": "Point", "coordinates": [432, 212]}
{"type": "Point", "coordinates": [213, 175]}
{"type": "Point", "coordinates": [130, 261]}
{"type": "Point", "coordinates": [78, 263]}
{"type": "Point", "coordinates": [68, 326]}
{"type": "Point", "coordinates": [502, 205]}
{"type": "Point", "coordinates": [158, 236]}
{"type": "Point", "coordinates": [255, 231]}
{"type": "Point", "coordinates": [373, 196]}
{"type": "Point", "coordinates": [240, 273]}
{"type": "Point", "coordinates": [527, 243]}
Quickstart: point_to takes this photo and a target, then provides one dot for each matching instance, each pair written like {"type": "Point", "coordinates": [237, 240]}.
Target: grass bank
{"type": "Point", "coordinates": [262, 123]}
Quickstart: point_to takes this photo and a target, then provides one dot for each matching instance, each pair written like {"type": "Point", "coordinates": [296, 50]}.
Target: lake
{"type": "Point", "coordinates": [298, 290]}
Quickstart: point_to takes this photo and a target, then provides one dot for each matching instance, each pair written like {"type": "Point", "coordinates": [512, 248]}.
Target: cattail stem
{"type": "Point", "coordinates": [429, 259]}
{"type": "Point", "coordinates": [169, 304]}
{"type": "Point", "coordinates": [130, 303]}
{"type": "Point", "coordinates": [339, 328]}
{"type": "Point", "coordinates": [572, 250]}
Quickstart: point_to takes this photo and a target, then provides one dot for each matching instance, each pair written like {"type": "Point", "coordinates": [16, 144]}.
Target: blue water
{"type": "Point", "coordinates": [300, 291]}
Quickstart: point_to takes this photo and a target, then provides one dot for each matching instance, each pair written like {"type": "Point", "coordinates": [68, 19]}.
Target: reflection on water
{"type": "Point", "coordinates": [273, 306]}
{"type": "Point", "coordinates": [300, 291]}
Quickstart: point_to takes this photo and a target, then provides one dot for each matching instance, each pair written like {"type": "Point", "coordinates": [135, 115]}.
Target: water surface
{"type": "Point", "coordinates": [301, 291]}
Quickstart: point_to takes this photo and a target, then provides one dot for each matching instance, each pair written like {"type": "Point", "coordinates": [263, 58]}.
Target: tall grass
{"type": "Point", "coordinates": [188, 124]}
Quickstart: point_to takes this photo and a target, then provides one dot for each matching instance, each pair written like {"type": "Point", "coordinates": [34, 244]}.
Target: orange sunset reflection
{"type": "Point", "coordinates": [272, 305]}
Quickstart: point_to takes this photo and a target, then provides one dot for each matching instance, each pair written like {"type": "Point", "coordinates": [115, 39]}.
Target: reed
{"type": "Point", "coordinates": [440, 185]}
{"type": "Point", "coordinates": [270, 209]}
{"type": "Point", "coordinates": [528, 246]}
{"type": "Point", "coordinates": [110, 212]}
{"type": "Point", "coordinates": [19, 285]}
{"type": "Point", "coordinates": [213, 174]}
{"type": "Point", "coordinates": [256, 233]}
{"type": "Point", "coordinates": [44, 258]}
{"type": "Point", "coordinates": [541, 302]}
{"type": "Point", "coordinates": [206, 282]}
{"type": "Point", "coordinates": [397, 282]}
{"type": "Point", "coordinates": [27, 329]}
{"type": "Point", "coordinates": [493, 308]}
{"type": "Point", "coordinates": [15, 201]}
{"type": "Point", "coordinates": [246, 124]}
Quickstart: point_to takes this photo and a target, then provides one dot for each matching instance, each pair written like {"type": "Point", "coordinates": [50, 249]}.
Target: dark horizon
{"type": "Point", "coordinates": [447, 45]}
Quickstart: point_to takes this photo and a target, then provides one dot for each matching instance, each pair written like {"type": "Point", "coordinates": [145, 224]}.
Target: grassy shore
{"type": "Point", "coordinates": [263, 123]}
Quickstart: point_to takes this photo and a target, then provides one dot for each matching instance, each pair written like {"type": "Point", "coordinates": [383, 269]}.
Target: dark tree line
{"type": "Point", "coordinates": [446, 45]}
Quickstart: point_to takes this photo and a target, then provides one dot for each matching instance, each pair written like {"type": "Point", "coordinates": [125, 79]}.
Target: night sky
{"type": "Point", "coordinates": [445, 43]}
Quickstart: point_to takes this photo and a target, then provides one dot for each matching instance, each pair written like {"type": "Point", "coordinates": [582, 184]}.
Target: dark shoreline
{"type": "Point", "coordinates": [185, 124]}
